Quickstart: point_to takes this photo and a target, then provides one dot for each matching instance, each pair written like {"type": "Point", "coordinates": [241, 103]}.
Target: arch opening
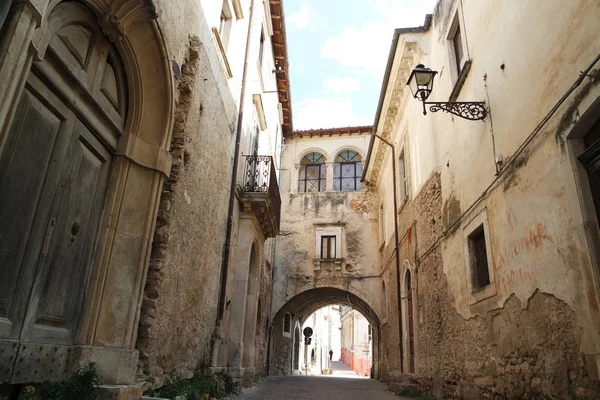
{"type": "Point", "coordinates": [301, 308]}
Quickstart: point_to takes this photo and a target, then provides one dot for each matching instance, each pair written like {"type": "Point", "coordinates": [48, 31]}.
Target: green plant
{"type": "Point", "coordinates": [196, 388]}
{"type": "Point", "coordinates": [82, 385]}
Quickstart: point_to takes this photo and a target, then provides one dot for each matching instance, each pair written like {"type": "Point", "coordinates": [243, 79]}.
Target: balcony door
{"type": "Point", "coordinates": [54, 174]}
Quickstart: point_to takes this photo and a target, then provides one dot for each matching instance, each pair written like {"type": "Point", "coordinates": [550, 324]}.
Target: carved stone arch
{"type": "Point", "coordinates": [303, 304]}
{"type": "Point", "coordinates": [409, 300]}
{"type": "Point", "coordinates": [105, 330]}
{"type": "Point", "coordinates": [315, 150]}
{"type": "Point", "coordinates": [132, 27]}
{"type": "Point", "coordinates": [351, 148]}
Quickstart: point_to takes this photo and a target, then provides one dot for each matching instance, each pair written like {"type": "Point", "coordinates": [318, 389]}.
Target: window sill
{"type": "Point", "coordinates": [483, 293]}
{"type": "Point", "coordinates": [462, 77]}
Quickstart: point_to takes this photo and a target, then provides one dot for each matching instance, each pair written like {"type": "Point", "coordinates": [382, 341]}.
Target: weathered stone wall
{"type": "Point", "coordinates": [179, 309]}
{"type": "Point", "coordinates": [419, 226]}
{"type": "Point", "coordinates": [263, 321]}
{"type": "Point", "coordinates": [512, 351]}
{"type": "Point", "coordinates": [540, 223]}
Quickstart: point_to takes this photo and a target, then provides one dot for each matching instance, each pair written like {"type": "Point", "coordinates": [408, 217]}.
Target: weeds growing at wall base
{"type": "Point", "coordinates": [82, 385]}
{"type": "Point", "coordinates": [196, 388]}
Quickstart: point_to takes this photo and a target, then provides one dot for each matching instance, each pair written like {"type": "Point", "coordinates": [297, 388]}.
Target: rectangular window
{"type": "Point", "coordinates": [402, 167]}
{"type": "Point", "coordinates": [328, 247]}
{"type": "Point", "coordinates": [478, 258]}
{"type": "Point", "coordinates": [458, 48]}
{"type": "Point", "coordinates": [287, 323]}
{"type": "Point", "coordinates": [225, 24]}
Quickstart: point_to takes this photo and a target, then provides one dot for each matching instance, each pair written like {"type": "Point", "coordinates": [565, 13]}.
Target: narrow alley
{"type": "Point", "coordinates": [425, 208]}
{"type": "Point", "coordinates": [343, 384]}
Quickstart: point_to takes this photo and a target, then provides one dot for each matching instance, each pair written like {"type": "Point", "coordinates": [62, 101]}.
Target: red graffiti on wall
{"type": "Point", "coordinates": [523, 246]}
{"type": "Point", "coordinates": [517, 276]}
{"type": "Point", "coordinates": [533, 238]}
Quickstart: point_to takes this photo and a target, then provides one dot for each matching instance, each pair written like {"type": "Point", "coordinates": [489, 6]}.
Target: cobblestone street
{"type": "Point", "coordinates": [344, 384]}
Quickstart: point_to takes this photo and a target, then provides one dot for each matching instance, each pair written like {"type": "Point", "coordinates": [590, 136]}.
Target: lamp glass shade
{"type": "Point", "coordinates": [420, 82]}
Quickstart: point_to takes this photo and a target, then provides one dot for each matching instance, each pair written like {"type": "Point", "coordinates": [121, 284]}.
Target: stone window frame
{"type": "Point", "coordinates": [459, 69]}
{"type": "Point", "coordinates": [476, 294]}
{"type": "Point", "coordinates": [332, 230]}
{"type": "Point", "coordinates": [222, 32]}
{"type": "Point", "coordinates": [289, 332]}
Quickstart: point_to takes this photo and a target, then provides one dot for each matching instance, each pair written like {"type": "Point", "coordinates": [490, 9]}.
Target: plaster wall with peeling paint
{"type": "Point", "coordinates": [179, 335]}
{"type": "Point", "coordinates": [298, 266]}
{"type": "Point", "coordinates": [535, 207]}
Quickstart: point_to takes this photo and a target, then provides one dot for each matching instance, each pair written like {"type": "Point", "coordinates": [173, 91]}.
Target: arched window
{"type": "Point", "coordinates": [347, 171]}
{"type": "Point", "coordinates": [313, 173]}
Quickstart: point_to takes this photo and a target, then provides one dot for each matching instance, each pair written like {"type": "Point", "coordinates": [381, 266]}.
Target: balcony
{"type": "Point", "coordinates": [259, 193]}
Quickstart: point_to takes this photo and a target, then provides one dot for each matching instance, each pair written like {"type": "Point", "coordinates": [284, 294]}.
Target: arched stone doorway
{"type": "Point", "coordinates": [85, 123]}
{"type": "Point", "coordinates": [251, 312]}
{"type": "Point", "coordinates": [301, 307]}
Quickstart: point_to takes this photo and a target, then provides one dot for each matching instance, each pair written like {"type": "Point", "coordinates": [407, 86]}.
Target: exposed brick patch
{"type": "Point", "coordinates": [162, 234]}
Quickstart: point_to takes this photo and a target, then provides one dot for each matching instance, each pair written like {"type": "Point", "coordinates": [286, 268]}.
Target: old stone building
{"type": "Point", "coordinates": [326, 252]}
{"type": "Point", "coordinates": [497, 224]}
{"type": "Point", "coordinates": [160, 216]}
{"type": "Point", "coordinates": [139, 146]}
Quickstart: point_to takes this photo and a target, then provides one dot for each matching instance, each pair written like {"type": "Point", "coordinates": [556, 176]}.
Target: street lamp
{"type": "Point", "coordinates": [420, 83]}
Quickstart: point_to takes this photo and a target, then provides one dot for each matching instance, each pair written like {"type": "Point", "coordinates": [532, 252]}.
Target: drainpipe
{"type": "Point", "coordinates": [236, 160]}
{"type": "Point", "coordinates": [397, 250]}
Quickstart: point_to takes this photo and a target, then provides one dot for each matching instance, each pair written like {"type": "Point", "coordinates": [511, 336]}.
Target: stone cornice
{"type": "Point", "coordinates": [406, 57]}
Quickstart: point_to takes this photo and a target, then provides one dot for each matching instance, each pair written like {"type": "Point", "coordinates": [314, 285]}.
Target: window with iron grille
{"type": "Point", "coordinates": [328, 247]}
{"type": "Point", "coordinates": [347, 171]}
{"type": "Point", "coordinates": [312, 174]}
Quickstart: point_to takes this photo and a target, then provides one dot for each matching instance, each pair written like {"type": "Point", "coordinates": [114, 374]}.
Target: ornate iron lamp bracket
{"type": "Point", "coordinates": [471, 110]}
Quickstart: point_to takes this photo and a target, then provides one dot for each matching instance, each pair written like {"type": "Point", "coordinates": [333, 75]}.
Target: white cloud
{"type": "Point", "coordinates": [303, 18]}
{"type": "Point", "coordinates": [327, 113]}
{"type": "Point", "coordinates": [337, 85]}
{"type": "Point", "coordinates": [366, 47]}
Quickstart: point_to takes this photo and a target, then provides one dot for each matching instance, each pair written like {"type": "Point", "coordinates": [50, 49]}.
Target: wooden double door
{"type": "Point", "coordinates": [55, 167]}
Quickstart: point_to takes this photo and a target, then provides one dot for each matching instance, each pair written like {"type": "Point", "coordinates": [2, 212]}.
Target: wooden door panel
{"type": "Point", "coordinates": [35, 134]}
{"type": "Point", "coordinates": [63, 283]}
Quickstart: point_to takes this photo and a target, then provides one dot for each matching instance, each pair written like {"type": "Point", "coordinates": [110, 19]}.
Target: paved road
{"type": "Point", "coordinates": [335, 387]}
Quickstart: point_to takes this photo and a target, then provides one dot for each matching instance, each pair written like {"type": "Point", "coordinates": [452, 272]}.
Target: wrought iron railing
{"type": "Point", "coordinates": [260, 176]}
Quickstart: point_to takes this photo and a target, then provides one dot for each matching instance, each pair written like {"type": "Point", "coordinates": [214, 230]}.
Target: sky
{"type": "Point", "coordinates": [338, 52]}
